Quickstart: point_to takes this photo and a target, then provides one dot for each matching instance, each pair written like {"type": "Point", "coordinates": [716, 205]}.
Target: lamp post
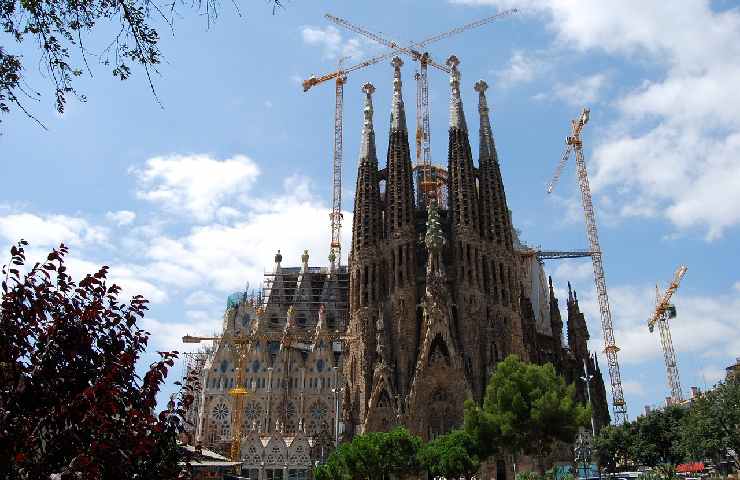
{"type": "Point", "coordinates": [583, 453]}
{"type": "Point", "coordinates": [336, 391]}
{"type": "Point", "coordinates": [587, 380]}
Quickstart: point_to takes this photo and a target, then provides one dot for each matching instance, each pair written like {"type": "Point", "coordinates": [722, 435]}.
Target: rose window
{"type": "Point", "coordinates": [221, 411]}
{"type": "Point", "coordinates": [253, 411]}
{"type": "Point", "coordinates": [319, 410]}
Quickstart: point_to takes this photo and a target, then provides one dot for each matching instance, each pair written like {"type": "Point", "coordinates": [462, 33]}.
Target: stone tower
{"type": "Point", "coordinates": [435, 294]}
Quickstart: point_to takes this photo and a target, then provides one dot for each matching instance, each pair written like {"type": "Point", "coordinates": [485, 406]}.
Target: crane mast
{"type": "Point", "coordinates": [662, 313]}
{"type": "Point", "coordinates": [573, 143]}
{"type": "Point", "coordinates": [428, 186]}
{"type": "Point", "coordinates": [336, 204]}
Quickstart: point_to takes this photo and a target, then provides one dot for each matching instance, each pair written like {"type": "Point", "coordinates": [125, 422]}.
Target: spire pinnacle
{"type": "Point", "coordinates": [367, 145]}
{"type": "Point", "coordinates": [570, 293]}
{"type": "Point", "coordinates": [486, 136]}
{"type": "Point", "coordinates": [398, 115]}
{"type": "Point", "coordinates": [457, 116]}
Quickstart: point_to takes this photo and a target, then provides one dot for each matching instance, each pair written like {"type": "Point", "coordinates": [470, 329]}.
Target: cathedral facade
{"type": "Point", "coordinates": [291, 359]}
{"type": "Point", "coordinates": [442, 291]}
{"type": "Point", "coordinates": [438, 290]}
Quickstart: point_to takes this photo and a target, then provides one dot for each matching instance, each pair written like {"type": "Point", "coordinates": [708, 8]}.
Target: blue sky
{"type": "Point", "coordinates": [188, 202]}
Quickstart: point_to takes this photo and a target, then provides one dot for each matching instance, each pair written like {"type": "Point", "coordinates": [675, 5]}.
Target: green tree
{"type": "Point", "coordinates": [452, 455]}
{"type": "Point", "coordinates": [613, 445]}
{"type": "Point", "coordinates": [656, 437]}
{"type": "Point", "coordinates": [374, 455]}
{"type": "Point", "coordinates": [59, 30]}
{"type": "Point", "coordinates": [712, 427]}
{"type": "Point", "coordinates": [529, 408]}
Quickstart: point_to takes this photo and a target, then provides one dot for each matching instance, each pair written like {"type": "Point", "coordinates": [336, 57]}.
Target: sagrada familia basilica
{"type": "Point", "coordinates": [434, 295]}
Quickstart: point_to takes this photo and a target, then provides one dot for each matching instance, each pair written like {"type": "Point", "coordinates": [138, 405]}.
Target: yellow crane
{"type": "Point", "coordinates": [573, 143]}
{"type": "Point", "coordinates": [664, 310]}
{"type": "Point", "coordinates": [238, 393]}
{"type": "Point", "coordinates": [429, 187]}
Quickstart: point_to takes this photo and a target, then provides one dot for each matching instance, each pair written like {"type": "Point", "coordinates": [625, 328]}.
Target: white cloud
{"type": "Point", "coordinates": [199, 297]}
{"type": "Point", "coordinates": [522, 68]}
{"type": "Point", "coordinates": [672, 150]}
{"type": "Point", "coordinates": [291, 222]}
{"type": "Point", "coordinates": [50, 230]}
{"type": "Point", "coordinates": [121, 217]}
{"type": "Point", "coordinates": [584, 91]}
{"type": "Point", "coordinates": [574, 270]}
{"type": "Point", "coordinates": [704, 323]}
{"type": "Point", "coordinates": [632, 387]}
{"type": "Point", "coordinates": [737, 286]}
{"type": "Point", "coordinates": [712, 374]}
{"type": "Point", "coordinates": [131, 278]}
{"type": "Point", "coordinates": [167, 335]}
{"type": "Point", "coordinates": [196, 185]}
{"type": "Point", "coordinates": [333, 45]}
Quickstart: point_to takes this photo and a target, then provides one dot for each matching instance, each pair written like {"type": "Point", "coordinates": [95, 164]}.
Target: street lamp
{"type": "Point", "coordinates": [583, 453]}
{"type": "Point", "coordinates": [587, 380]}
{"type": "Point", "coordinates": [336, 391]}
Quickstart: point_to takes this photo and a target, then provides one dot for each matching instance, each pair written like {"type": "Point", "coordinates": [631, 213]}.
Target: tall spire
{"type": "Point", "coordinates": [486, 136]}
{"type": "Point", "coordinates": [495, 217]}
{"type": "Point", "coordinates": [398, 115]}
{"type": "Point", "coordinates": [457, 116]}
{"type": "Point", "coordinates": [463, 195]}
{"type": "Point", "coordinates": [367, 145]}
{"type": "Point", "coordinates": [399, 187]}
{"type": "Point", "coordinates": [366, 226]}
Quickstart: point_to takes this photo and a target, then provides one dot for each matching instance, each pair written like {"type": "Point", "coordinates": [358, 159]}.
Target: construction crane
{"type": "Point", "coordinates": [662, 313]}
{"type": "Point", "coordinates": [573, 143]}
{"type": "Point", "coordinates": [238, 393]}
{"type": "Point", "coordinates": [340, 78]}
{"type": "Point", "coordinates": [554, 254]}
{"type": "Point", "coordinates": [428, 186]}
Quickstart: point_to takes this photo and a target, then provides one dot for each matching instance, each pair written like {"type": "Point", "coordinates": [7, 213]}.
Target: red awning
{"type": "Point", "coordinates": [690, 467]}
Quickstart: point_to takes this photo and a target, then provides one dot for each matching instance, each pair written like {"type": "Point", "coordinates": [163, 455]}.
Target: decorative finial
{"type": "Point", "coordinates": [304, 257]}
{"type": "Point", "coordinates": [457, 117]}
{"type": "Point", "coordinates": [397, 64]}
{"type": "Point", "coordinates": [398, 116]}
{"type": "Point", "coordinates": [368, 88]}
{"type": "Point", "coordinates": [481, 86]}
{"type": "Point", "coordinates": [367, 145]}
{"type": "Point", "coordinates": [278, 257]}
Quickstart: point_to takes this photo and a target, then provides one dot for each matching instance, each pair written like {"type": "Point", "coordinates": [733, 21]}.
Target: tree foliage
{"type": "Point", "coordinates": [71, 402]}
{"type": "Point", "coordinates": [712, 426]}
{"type": "Point", "coordinates": [58, 30]}
{"type": "Point", "coordinates": [453, 455]}
{"type": "Point", "coordinates": [374, 455]}
{"type": "Point", "coordinates": [613, 447]}
{"type": "Point", "coordinates": [528, 407]}
{"type": "Point", "coordinates": [707, 428]}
